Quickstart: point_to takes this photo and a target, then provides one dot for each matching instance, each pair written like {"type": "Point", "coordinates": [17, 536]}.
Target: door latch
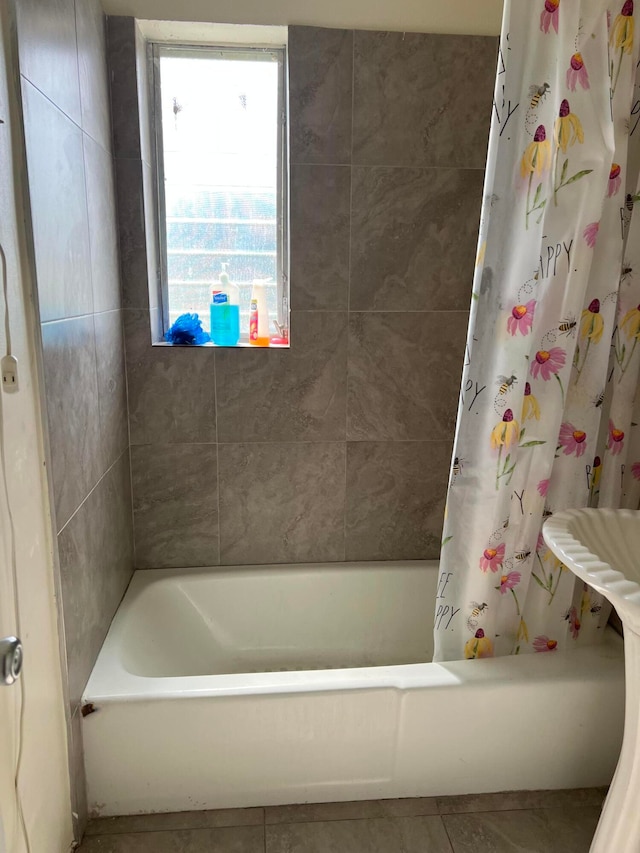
{"type": "Point", "coordinates": [10, 659]}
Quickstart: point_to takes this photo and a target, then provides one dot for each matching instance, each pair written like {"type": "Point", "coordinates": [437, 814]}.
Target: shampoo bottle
{"type": "Point", "coordinates": [225, 312]}
{"type": "Point", "coordinates": [259, 317]}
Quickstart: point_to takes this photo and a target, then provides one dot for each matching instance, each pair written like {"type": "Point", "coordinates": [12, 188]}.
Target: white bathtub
{"type": "Point", "coordinates": [287, 684]}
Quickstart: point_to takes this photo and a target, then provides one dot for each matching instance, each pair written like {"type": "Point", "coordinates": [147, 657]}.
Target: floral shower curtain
{"type": "Point", "coordinates": [545, 419]}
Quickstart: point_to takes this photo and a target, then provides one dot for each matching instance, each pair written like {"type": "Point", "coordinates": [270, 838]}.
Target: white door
{"type": "Point", "coordinates": [32, 720]}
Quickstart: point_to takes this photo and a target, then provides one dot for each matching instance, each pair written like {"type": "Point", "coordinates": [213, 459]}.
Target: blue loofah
{"type": "Point", "coordinates": [187, 329]}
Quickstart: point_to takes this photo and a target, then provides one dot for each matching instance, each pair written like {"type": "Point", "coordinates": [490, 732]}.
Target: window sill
{"type": "Point", "coordinates": [210, 344]}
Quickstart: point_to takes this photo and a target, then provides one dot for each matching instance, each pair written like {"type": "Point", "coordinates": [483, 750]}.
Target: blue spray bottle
{"type": "Point", "coordinates": [225, 311]}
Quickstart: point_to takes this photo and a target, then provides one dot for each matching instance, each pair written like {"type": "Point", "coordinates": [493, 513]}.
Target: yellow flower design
{"type": "Point", "coordinates": [530, 406]}
{"type": "Point", "coordinates": [568, 129]}
{"type": "Point", "coordinates": [523, 632]}
{"type": "Point", "coordinates": [630, 324]}
{"type": "Point", "coordinates": [537, 156]}
{"type": "Point", "coordinates": [478, 646]}
{"type": "Point", "coordinates": [622, 29]}
{"type": "Point", "coordinates": [591, 323]}
{"type": "Point", "coordinates": [506, 432]}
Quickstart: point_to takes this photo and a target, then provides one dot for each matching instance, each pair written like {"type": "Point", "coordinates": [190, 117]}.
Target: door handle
{"type": "Point", "coordinates": [10, 660]}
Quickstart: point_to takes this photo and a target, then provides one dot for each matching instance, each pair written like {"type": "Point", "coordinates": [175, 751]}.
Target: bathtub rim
{"type": "Point", "coordinates": [110, 682]}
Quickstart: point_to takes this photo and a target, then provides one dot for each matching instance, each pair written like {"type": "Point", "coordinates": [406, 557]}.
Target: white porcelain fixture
{"type": "Point", "coordinates": [286, 684]}
{"type": "Point", "coordinates": [602, 547]}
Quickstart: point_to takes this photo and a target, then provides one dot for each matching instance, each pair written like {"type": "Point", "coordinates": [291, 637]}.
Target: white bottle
{"type": "Point", "coordinates": [258, 316]}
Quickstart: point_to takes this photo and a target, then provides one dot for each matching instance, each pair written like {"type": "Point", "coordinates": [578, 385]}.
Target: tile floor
{"type": "Point", "coordinates": [516, 822]}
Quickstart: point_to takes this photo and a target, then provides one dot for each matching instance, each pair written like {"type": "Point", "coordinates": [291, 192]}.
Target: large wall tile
{"type": "Point", "coordinates": [404, 375]}
{"type": "Point", "coordinates": [47, 46]}
{"type": "Point", "coordinates": [422, 100]}
{"type": "Point", "coordinates": [320, 198]}
{"type": "Point", "coordinates": [92, 67]}
{"type": "Point", "coordinates": [112, 388]}
{"type": "Point", "coordinates": [151, 237]}
{"type": "Point", "coordinates": [171, 389]}
{"type": "Point", "coordinates": [58, 207]}
{"type": "Point", "coordinates": [175, 505]}
{"type": "Point", "coordinates": [297, 394]}
{"type": "Point", "coordinates": [71, 391]}
{"type": "Point", "coordinates": [121, 53]}
{"type": "Point", "coordinates": [96, 551]}
{"type": "Point", "coordinates": [281, 503]}
{"type": "Point", "coordinates": [144, 106]}
{"type": "Point", "coordinates": [103, 232]}
{"type": "Point", "coordinates": [132, 234]}
{"type": "Point", "coordinates": [320, 94]}
{"type": "Point", "coordinates": [395, 499]}
{"type": "Point", "coordinates": [414, 234]}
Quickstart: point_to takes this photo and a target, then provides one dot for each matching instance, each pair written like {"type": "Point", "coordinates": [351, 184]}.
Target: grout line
{"type": "Point", "coordinates": [79, 316]}
{"type": "Point", "coordinates": [415, 168]}
{"type": "Point", "coordinates": [130, 445]}
{"type": "Point", "coordinates": [91, 491]}
{"type": "Point", "coordinates": [348, 329]}
{"type": "Point", "coordinates": [53, 103]}
{"type": "Point", "coordinates": [215, 398]}
{"type": "Point", "coordinates": [116, 200]}
{"type": "Point", "coordinates": [446, 440]}
{"type": "Point", "coordinates": [453, 850]}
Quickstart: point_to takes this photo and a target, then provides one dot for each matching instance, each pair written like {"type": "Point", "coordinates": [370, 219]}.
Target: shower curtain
{"type": "Point", "coordinates": [546, 415]}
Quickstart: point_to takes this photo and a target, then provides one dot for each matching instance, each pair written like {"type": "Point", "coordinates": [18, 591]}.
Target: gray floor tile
{"type": "Point", "coordinates": [238, 839]}
{"type": "Point", "coordinates": [567, 830]}
{"type": "Point", "coordinates": [385, 835]}
{"type": "Point", "coordinates": [176, 820]}
{"type": "Point", "coordinates": [308, 812]}
{"type": "Point", "coordinates": [511, 800]}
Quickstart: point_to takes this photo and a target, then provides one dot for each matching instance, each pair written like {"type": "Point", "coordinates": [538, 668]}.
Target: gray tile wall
{"type": "Point", "coordinates": [62, 49]}
{"type": "Point", "coordinates": [340, 447]}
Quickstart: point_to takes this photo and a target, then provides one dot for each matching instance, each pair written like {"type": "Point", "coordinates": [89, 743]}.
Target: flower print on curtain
{"type": "Point", "coordinates": [553, 331]}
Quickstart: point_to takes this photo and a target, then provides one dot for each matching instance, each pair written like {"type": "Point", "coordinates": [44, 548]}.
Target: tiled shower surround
{"type": "Point", "coordinates": [65, 97]}
{"type": "Point", "coordinates": [338, 448]}
{"type": "Point", "coordinates": [335, 449]}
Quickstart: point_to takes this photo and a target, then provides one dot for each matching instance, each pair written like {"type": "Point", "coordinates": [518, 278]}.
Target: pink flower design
{"type": "Point", "coordinates": [574, 622]}
{"type": "Point", "coordinates": [542, 643]}
{"type": "Point", "coordinates": [577, 73]}
{"type": "Point", "coordinates": [615, 442]}
{"type": "Point", "coordinates": [541, 545]}
{"type": "Point", "coordinates": [547, 362]}
{"type": "Point", "coordinates": [492, 558]}
{"type": "Point", "coordinates": [572, 439]}
{"type": "Point", "coordinates": [590, 234]}
{"type": "Point", "coordinates": [635, 470]}
{"type": "Point", "coordinates": [549, 16]}
{"type": "Point", "coordinates": [509, 581]}
{"type": "Point", "coordinates": [521, 318]}
{"type": "Point", "coordinates": [614, 180]}
{"type": "Point", "coordinates": [543, 488]}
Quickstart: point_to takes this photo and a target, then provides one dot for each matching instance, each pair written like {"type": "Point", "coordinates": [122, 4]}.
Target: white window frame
{"type": "Point", "coordinates": [158, 47]}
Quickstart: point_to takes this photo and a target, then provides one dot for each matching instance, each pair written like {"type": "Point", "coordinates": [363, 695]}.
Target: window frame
{"type": "Point", "coordinates": [157, 48]}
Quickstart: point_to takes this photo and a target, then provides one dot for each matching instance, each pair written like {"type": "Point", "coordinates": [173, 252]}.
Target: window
{"type": "Point", "coordinates": [221, 158]}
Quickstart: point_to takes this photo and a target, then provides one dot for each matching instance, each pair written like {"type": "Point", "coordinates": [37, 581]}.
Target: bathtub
{"type": "Point", "coordinates": [285, 684]}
